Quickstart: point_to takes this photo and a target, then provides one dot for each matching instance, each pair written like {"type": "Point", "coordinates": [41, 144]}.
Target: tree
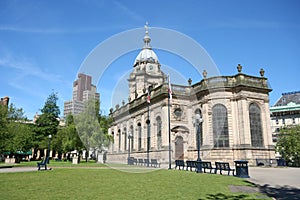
{"type": "Point", "coordinates": [47, 122]}
{"type": "Point", "coordinates": [88, 128]}
{"type": "Point", "coordinates": [67, 139]}
{"type": "Point", "coordinates": [3, 128]}
{"type": "Point", "coordinates": [288, 144]}
{"type": "Point", "coordinates": [16, 134]}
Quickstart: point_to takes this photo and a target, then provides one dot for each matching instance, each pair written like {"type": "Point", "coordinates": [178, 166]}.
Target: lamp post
{"type": "Point", "coordinates": [48, 152]}
{"type": "Point", "coordinates": [129, 140]}
{"type": "Point", "coordinates": [198, 123]}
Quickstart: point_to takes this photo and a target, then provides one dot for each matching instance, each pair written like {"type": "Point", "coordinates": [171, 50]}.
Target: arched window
{"type": "Point", "coordinates": [199, 130]}
{"type": "Point", "coordinates": [159, 141]}
{"type": "Point", "coordinates": [113, 143]}
{"type": "Point", "coordinates": [132, 134]}
{"type": "Point", "coordinates": [139, 136]}
{"type": "Point", "coordinates": [125, 139]}
{"type": "Point", "coordinates": [119, 145]}
{"type": "Point", "coordinates": [255, 126]}
{"type": "Point", "coordinates": [220, 126]}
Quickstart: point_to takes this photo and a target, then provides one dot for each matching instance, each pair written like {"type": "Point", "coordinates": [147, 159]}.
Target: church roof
{"type": "Point", "coordinates": [146, 54]}
{"type": "Point", "coordinates": [289, 98]}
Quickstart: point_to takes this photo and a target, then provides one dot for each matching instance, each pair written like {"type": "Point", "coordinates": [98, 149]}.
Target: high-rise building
{"type": "Point", "coordinates": [83, 90]}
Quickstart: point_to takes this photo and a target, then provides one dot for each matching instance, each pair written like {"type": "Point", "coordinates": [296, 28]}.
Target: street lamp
{"type": "Point", "coordinates": [48, 152]}
{"type": "Point", "coordinates": [129, 139]}
{"type": "Point", "coordinates": [198, 123]}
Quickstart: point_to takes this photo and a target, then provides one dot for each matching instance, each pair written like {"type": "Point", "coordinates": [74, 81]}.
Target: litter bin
{"type": "Point", "coordinates": [241, 167]}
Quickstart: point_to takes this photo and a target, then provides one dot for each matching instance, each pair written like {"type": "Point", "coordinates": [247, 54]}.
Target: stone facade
{"type": "Point", "coordinates": [234, 109]}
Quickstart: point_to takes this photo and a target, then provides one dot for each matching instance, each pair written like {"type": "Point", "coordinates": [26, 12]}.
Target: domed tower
{"type": "Point", "coordinates": [146, 70]}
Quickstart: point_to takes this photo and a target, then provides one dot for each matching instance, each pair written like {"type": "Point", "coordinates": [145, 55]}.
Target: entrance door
{"type": "Point", "coordinates": [179, 151]}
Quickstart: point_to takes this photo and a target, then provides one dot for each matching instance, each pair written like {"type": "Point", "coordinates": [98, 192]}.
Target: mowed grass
{"type": "Point", "coordinates": [106, 183]}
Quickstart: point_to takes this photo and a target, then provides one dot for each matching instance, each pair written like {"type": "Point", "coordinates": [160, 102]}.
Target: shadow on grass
{"type": "Point", "coordinates": [222, 196]}
{"type": "Point", "coordinates": [280, 193]}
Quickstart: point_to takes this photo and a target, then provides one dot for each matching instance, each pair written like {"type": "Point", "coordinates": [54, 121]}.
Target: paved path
{"type": "Point", "coordinates": [280, 183]}
{"type": "Point", "coordinates": [276, 177]}
{"type": "Point", "coordinates": [18, 169]}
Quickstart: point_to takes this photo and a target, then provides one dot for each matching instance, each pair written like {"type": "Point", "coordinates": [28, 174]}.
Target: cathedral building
{"type": "Point", "coordinates": [230, 114]}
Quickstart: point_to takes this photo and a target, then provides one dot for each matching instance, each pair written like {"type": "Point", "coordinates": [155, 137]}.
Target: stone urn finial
{"type": "Point", "coordinates": [123, 102]}
{"type": "Point", "coordinates": [111, 110]}
{"type": "Point", "coordinates": [204, 74]}
{"type": "Point", "coordinates": [239, 68]}
{"type": "Point", "coordinates": [262, 72]}
{"type": "Point", "coordinates": [190, 81]}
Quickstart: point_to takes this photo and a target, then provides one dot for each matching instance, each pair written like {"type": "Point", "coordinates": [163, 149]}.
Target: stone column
{"type": "Point", "coordinates": [235, 121]}
{"type": "Point", "coordinates": [267, 132]}
{"type": "Point", "coordinates": [244, 123]}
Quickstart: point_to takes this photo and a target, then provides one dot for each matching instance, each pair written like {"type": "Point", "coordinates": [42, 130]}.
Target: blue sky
{"type": "Point", "coordinates": [44, 43]}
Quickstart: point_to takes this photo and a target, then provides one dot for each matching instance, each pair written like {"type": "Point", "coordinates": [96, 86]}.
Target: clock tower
{"type": "Point", "coordinates": [146, 70]}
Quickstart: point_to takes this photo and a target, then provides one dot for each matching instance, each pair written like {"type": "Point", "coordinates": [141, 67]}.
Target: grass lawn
{"type": "Point", "coordinates": [94, 181]}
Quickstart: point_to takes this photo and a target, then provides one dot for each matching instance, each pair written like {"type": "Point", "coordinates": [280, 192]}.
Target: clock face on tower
{"type": "Point", "coordinates": [150, 67]}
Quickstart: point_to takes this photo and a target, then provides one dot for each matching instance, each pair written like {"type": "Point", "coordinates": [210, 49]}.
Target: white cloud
{"type": "Point", "coordinates": [128, 12]}
{"type": "Point", "coordinates": [25, 72]}
{"type": "Point", "coordinates": [26, 68]}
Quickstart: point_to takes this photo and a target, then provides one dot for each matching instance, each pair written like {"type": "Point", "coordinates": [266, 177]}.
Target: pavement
{"type": "Point", "coordinates": [280, 183]}
{"type": "Point", "coordinates": [17, 169]}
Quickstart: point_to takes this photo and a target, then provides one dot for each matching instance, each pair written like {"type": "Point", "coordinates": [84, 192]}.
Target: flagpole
{"type": "Point", "coordinates": [169, 123]}
{"type": "Point", "coordinates": [148, 127]}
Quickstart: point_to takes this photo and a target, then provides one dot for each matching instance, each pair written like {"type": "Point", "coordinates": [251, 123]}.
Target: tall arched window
{"type": "Point", "coordinates": [199, 129]}
{"type": "Point", "coordinates": [139, 136]}
{"type": "Point", "coordinates": [159, 141]}
{"type": "Point", "coordinates": [119, 145]}
{"type": "Point", "coordinates": [255, 125]}
{"type": "Point", "coordinates": [113, 143]}
{"type": "Point", "coordinates": [220, 126]}
{"type": "Point", "coordinates": [125, 139]}
{"type": "Point", "coordinates": [132, 138]}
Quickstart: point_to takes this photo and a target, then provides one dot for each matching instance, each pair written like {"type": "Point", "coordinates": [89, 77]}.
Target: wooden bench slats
{"type": "Point", "coordinates": [179, 164]}
{"type": "Point", "coordinates": [205, 165]}
{"type": "Point", "coordinates": [223, 166]}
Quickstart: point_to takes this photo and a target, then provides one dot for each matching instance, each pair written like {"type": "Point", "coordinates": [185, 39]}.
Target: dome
{"type": "Point", "coordinates": [146, 54]}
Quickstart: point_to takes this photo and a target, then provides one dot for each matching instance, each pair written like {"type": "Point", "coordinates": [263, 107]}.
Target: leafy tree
{"type": "Point", "coordinates": [3, 128]}
{"type": "Point", "coordinates": [47, 122]}
{"type": "Point", "coordinates": [15, 134]}
{"type": "Point", "coordinates": [15, 114]}
{"type": "Point", "coordinates": [288, 144]}
{"type": "Point", "coordinates": [21, 137]}
{"type": "Point", "coordinates": [67, 138]}
{"type": "Point", "coordinates": [88, 127]}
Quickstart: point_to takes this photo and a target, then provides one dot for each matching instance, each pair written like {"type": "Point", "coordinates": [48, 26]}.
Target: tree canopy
{"type": "Point", "coordinates": [89, 129]}
{"type": "Point", "coordinates": [288, 144]}
{"type": "Point", "coordinates": [15, 133]}
{"type": "Point", "coordinates": [47, 122]}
